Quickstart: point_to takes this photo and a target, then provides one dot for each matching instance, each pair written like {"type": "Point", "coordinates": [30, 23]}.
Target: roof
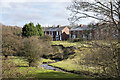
{"type": "Point", "coordinates": [79, 28]}
{"type": "Point", "coordinates": [53, 28]}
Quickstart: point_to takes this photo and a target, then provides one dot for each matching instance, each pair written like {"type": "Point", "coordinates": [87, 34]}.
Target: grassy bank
{"type": "Point", "coordinates": [71, 65]}
{"type": "Point", "coordinates": [17, 67]}
{"type": "Point", "coordinates": [47, 60]}
{"type": "Point", "coordinates": [67, 43]}
{"type": "Point", "coordinates": [75, 64]}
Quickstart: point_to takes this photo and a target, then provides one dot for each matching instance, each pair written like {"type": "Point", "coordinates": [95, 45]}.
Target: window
{"type": "Point", "coordinates": [56, 32]}
{"type": "Point", "coordinates": [59, 32]}
{"type": "Point", "coordinates": [60, 37]}
{"type": "Point", "coordinates": [52, 33]}
{"type": "Point", "coordinates": [74, 36]}
{"type": "Point", "coordinates": [83, 35]}
{"type": "Point", "coordinates": [49, 32]}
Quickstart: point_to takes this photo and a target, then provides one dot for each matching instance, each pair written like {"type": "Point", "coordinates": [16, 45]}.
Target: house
{"type": "Point", "coordinates": [57, 33]}
{"type": "Point", "coordinates": [81, 31]}
{"type": "Point", "coordinates": [104, 31]}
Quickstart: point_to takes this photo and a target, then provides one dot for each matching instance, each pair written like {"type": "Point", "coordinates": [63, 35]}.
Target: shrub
{"type": "Point", "coordinates": [77, 39]}
{"type": "Point", "coordinates": [33, 49]}
{"type": "Point", "coordinates": [11, 40]}
{"type": "Point", "coordinates": [46, 38]}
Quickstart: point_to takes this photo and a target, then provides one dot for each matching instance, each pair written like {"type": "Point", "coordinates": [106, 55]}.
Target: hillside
{"type": "Point", "coordinates": [12, 29]}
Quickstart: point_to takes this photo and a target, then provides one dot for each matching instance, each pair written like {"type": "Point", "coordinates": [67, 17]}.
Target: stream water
{"type": "Point", "coordinates": [46, 66]}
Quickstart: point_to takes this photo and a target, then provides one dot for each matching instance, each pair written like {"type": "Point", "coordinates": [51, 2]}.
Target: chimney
{"type": "Point", "coordinates": [81, 25]}
{"type": "Point", "coordinates": [59, 26]}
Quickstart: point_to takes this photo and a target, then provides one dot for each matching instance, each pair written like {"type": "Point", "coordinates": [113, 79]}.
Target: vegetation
{"type": "Point", "coordinates": [46, 38]}
{"type": "Point", "coordinates": [43, 60]}
{"type": "Point", "coordinates": [92, 59]}
{"type": "Point", "coordinates": [76, 56]}
{"type": "Point", "coordinates": [76, 63]}
{"type": "Point", "coordinates": [33, 49]}
{"type": "Point", "coordinates": [11, 40]}
{"type": "Point", "coordinates": [18, 67]}
{"type": "Point", "coordinates": [40, 30]}
{"type": "Point", "coordinates": [107, 13]}
{"type": "Point", "coordinates": [31, 30]}
{"type": "Point", "coordinates": [69, 43]}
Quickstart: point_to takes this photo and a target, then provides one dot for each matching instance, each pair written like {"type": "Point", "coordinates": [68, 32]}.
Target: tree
{"type": "Point", "coordinates": [40, 30]}
{"type": "Point", "coordinates": [29, 30]}
{"type": "Point", "coordinates": [107, 12]}
{"type": "Point", "coordinates": [11, 40]}
{"type": "Point", "coordinates": [33, 49]}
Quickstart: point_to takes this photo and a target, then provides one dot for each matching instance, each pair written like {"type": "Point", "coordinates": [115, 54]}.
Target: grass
{"type": "Point", "coordinates": [70, 65]}
{"type": "Point", "coordinates": [21, 70]}
{"type": "Point", "coordinates": [18, 61]}
{"type": "Point", "coordinates": [83, 43]}
{"type": "Point", "coordinates": [75, 64]}
{"type": "Point", "coordinates": [47, 60]}
{"type": "Point", "coordinates": [67, 43]}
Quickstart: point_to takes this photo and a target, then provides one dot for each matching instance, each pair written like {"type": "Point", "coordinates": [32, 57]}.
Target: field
{"type": "Point", "coordinates": [17, 67]}
{"type": "Point", "coordinates": [67, 43]}
{"type": "Point", "coordinates": [75, 65]}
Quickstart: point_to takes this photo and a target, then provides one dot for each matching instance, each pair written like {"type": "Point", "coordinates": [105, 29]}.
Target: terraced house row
{"type": "Point", "coordinates": [57, 33]}
{"type": "Point", "coordinates": [82, 31]}
{"type": "Point", "coordinates": [64, 33]}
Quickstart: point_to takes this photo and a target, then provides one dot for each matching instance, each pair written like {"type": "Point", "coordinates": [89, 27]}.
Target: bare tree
{"type": "Point", "coordinates": [34, 48]}
{"type": "Point", "coordinates": [107, 12]}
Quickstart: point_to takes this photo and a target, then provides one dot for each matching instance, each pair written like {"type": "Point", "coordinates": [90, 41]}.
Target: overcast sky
{"type": "Point", "coordinates": [44, 12]}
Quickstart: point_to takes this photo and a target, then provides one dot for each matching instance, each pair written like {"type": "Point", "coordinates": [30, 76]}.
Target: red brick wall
{"type": "Point", "coordinates": [66, 30]}
{"type": "Point", "coordinates": [65, 33]}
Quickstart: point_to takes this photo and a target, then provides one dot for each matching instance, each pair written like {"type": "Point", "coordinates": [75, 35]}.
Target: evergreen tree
{"type": "Point", "coordinates": [40, 30]}
{"type": "Point", "coordinates": [29, 30]}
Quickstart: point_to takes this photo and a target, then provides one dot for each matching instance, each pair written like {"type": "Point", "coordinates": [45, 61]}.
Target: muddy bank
{"type": "Point", "coordinates": [60, 52]}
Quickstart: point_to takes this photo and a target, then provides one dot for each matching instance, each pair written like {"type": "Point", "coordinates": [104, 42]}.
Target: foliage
{"type": "Point", "coordinates": [14, 68]}
{"type": "Point", "coordinates": [47, 60]}
{"type": "Point", "coordinates": [40, 30]}
{"type": "Point", "coordinates": [71, 65]}
{"type": "Point", "coordinates": [34, 48]}
{"type": "Point", "coordinates": [60, 52]}
{"type": "Point", "coordinates": [107, 13]}
{"type": "Point", "coordinates": [11, 40]}
{"type": "Point", "coordinates": [47, 38]}
{"type": "Point", "coordinates": [105, 59]}
{"type": "Point", "coordinates": [69, 43]}
{"type": "Point", "coordinates": [78, 39]}
{"type": "Point", "coordinates": [31, 30]}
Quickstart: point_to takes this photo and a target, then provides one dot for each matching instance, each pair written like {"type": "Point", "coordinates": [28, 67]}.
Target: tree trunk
{"type": "Point", "coordinates": [6, 56]}
{"type": "Point", "coordinates": [118, 51]}
{"type": "Point", "coordinates": [30, 63]}
{"type": "Point", "coordinates": [33, 64]}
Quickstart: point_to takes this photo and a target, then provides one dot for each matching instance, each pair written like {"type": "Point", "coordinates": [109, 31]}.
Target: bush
{"type": "Point", "coordinates": [34, 48]}
{"type": "Point", "coordinates": [106, 59]}
{"type": "Point", "coordinates": [46, 38]}
{"type": "Point", "coordinates": [77, 39]}
{"type": "Point", "coordinates": [11, 40]}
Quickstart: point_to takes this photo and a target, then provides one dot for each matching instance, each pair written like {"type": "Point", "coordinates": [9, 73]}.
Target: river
{"type": "Point", "coordinates": [46, 66]}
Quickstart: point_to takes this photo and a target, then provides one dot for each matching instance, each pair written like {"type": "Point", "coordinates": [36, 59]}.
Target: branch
{"type": "Point", "coordinates": [112, 13]}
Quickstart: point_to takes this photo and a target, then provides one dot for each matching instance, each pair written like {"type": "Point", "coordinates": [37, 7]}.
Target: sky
{"type": "Point", "coordinates": [44, 12]}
